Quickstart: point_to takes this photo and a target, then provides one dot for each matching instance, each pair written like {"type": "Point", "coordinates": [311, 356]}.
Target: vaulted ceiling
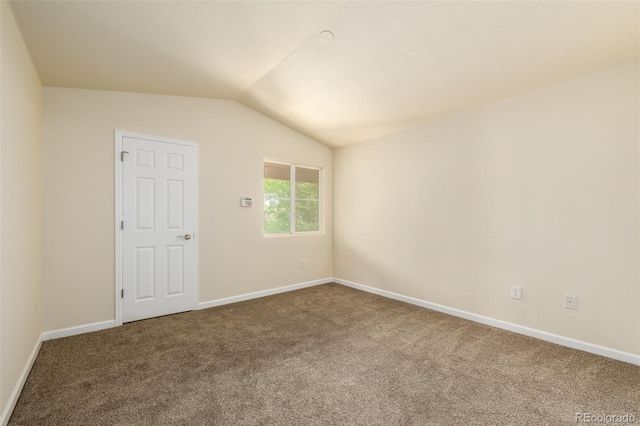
{"type": "Point", "coordinates": [390, 65]}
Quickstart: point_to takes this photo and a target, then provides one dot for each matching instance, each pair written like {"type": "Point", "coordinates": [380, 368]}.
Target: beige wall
{"type": "Point", "coordinates": [21, 206]}
{"type": "Point", "coordinates": [235, 258]}
{"type": "Point", "coordinates": [539, 191]}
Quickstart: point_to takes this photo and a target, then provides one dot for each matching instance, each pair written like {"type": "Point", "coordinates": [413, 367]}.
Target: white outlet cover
{"type": "Point", "coordinates": [516, 292]}
{"type": "Point", "coordinates": [570, 302]}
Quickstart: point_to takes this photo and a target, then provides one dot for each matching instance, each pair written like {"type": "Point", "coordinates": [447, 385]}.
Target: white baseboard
{"type": "Point", "coordinates": [531, 332]}
{"type": "Point", "coordinates": [542, 335]}
{"type": "Point", "coordinates": [103, 325]}
{"type": "Point", "coordinates": [263, 293]}
{"type": "Point", "coordinates": [13, 398]}
{"type": "Point", "coordinates": [79, 329]}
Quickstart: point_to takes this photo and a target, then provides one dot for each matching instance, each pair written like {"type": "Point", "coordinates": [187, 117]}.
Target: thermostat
{"type": "Point", "coordinates": [246, 202]}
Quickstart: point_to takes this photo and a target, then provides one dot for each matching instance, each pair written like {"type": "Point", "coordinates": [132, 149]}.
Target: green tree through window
{"type": "Point", "coordinates": [280, 180]}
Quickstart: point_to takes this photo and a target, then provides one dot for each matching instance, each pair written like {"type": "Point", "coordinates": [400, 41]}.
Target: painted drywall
{"type": "Point", "coordinates": [539, 191]}
{"type": "Point", "coordinates": [235, 258]}
{"type": "Point", "coordinates": [21, 207]}
{"type": "Point", "coordinates": [390, 66]}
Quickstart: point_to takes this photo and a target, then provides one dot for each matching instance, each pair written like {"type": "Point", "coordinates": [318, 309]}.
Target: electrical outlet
{"type": "Point", "coordinates": [516, 292]}
{"type": "Point", "coordinates": [302, 263]}
{"type": "Point", "coordinates": [570, 302]}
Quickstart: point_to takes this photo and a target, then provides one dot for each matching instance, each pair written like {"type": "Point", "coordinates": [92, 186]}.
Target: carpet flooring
{"type": "Point", "coordinates": [325, 355]}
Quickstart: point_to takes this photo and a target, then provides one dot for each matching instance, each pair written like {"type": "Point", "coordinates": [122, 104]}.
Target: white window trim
{"type": "Point", "coordinates": [292, 223]}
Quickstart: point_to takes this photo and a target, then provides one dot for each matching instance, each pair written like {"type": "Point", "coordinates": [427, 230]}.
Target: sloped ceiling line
{"type": "Point", "coordinates": [392, 65]}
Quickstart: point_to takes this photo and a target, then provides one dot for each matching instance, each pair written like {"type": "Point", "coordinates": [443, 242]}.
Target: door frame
{"type": "Point", "coordinates": [118, 285]}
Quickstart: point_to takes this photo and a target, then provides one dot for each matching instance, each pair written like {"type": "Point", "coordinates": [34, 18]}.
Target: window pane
{"type": "Point", "coordinates": [307, 215]}
{"type": "Point", "coordinates": [276, 217]}
{"type": "Point", "coordinates": [307, 191]}
{"type": "Point", "coordinates": [307, 200]}
{"type": "Point", "coordinates": [307, 184]}
{"type": "Point", "coordinates": [307, 175]}
{"type": "Point", "coordinates": [276, 171]}
{"type": "Point", "coordinates": [277, 199]}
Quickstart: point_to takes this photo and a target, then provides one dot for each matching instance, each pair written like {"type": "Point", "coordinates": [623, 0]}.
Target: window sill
{"type": "Point", "coordinates": [297, 234]}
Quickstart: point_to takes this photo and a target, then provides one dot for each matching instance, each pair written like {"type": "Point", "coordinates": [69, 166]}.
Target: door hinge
{"type": "Point", "coordinates": [122, 293]}
{"type": "Point", "coordinates": [122, 224]}
{"type": "Point", "coordinates": [122, 153]}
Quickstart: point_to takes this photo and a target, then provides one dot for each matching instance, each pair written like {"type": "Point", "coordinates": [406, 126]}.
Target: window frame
{"type": "Point", "coordinates": [292, 209]}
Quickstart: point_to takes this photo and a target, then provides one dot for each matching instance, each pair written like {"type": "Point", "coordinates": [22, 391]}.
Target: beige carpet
{"type": "Point", "coordinates": [326, 355]}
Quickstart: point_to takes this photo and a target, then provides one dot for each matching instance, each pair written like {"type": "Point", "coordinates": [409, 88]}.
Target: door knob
{"type": "Point", "coordinates": [185, 236]}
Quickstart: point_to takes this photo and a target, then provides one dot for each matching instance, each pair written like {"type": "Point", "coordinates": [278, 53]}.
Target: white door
{"type": "Point", "coordinates": [158, 228]}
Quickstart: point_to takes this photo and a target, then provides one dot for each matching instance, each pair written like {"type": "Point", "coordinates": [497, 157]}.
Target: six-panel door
{"type": "Point", "coordinates": [158, 247]}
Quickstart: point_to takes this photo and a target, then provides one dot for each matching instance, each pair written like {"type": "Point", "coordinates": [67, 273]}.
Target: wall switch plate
{"type": "Point", "coordinates": [302, 263]}
{"type": "Point", "coordinates": [570, 302]}
{"type": "Point", "coordinates": [246, 202]}
{"type": "Point", "coordinates": [516, 292]}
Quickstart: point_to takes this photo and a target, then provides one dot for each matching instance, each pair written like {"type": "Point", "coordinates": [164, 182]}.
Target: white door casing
{"type": "Point", "coordinates": [156, 204]}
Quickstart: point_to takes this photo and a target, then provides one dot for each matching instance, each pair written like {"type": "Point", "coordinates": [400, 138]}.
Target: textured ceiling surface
{"type": "Point", "coordinates": [391, 65]}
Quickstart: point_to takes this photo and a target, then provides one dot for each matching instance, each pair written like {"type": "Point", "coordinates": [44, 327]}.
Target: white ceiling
{"type": "Point", "coordinates": [392, 65]}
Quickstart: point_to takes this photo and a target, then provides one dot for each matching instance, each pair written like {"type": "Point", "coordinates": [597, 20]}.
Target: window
{"type": "Point", "coordinates": [291, 198]}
